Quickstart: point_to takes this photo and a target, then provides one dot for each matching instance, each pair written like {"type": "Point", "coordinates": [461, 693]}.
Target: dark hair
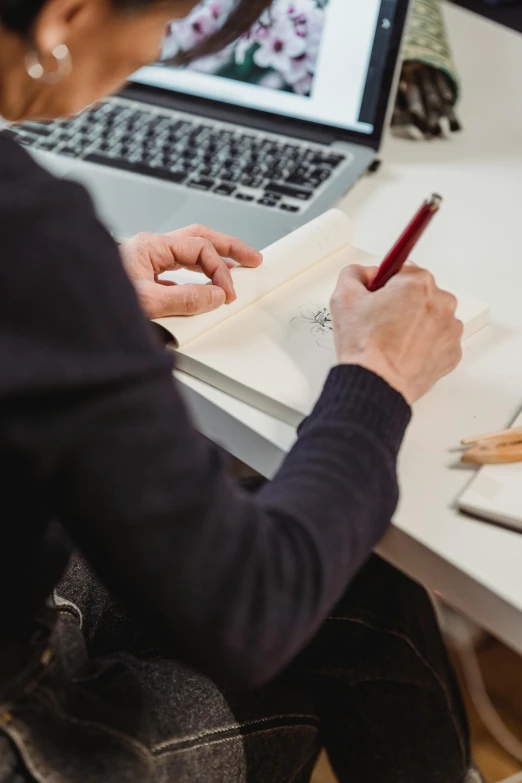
{"type": "Point", "coordinates": [20, 16]}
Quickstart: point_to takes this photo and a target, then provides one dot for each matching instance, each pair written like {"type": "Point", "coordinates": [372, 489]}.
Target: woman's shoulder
{"type": "Point", "coordinates": [26, 187]}
{"type": "Point", "coordinates": [50, 233]}
{"type": "Point", "coordinates": [66, 303]}
{"type": "Point", "coordinates": [45, 219]}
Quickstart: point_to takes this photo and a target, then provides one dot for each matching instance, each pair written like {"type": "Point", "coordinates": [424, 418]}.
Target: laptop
{"type": "Point", "coordinates": [254, 141]}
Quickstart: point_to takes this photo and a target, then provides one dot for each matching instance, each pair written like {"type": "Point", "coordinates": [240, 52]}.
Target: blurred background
{"type": "Point", "coordinates": [508, 12]}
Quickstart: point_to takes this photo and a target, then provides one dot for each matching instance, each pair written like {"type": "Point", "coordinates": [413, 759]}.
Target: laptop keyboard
{"type": "Point", "coordinates": [269, 170]}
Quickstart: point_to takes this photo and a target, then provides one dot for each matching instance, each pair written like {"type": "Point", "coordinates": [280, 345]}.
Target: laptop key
{"type": "Point", "coordinates": [224, 189]}
{"type": "Point", "coordinates": [288, 190]}
{"type": "Point", "coordinates": [230, 177]}
{"type": "Point", "coordinates": [69, 152]}
{"type": "Point", "coordinates": [299, 180]}
{"type": "Point", "coordinates": [40, 130]}
{"type": "Point", "coordinates": [201, 183]}
{"type": "Point", "coordinates": [321, 176]}
{"type": "Point", "coordinates": [137, 168]}
{"type": "Point", "coordinates": [27, 141]}
{"type": "Point", "coordinates": [318, 159]}
{"type": "Point", "coordinates": [289, 208]}
{"type": "Point", "coordinates": [160, 173]}
{"type": "Point", "coordinates": [336, 160]}
{"type": "Point", "coordinates": [116, 163]}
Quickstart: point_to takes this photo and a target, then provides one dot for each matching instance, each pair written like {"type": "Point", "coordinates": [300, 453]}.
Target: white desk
{"type": "Point", "coordinates": [475, 247]}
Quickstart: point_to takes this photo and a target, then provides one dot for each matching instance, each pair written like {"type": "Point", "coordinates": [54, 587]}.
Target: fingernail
{"type": "Point", "coordinates": [218, 297]}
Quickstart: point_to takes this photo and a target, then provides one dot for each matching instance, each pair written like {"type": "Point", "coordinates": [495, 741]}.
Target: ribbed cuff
{"type": "Point", "coordinates": [358, 396]}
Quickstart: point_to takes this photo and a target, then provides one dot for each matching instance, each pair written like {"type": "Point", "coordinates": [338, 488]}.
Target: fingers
{"type": "Point", "coordinates": [425, 287]}
{"type": "Point", "coordinates": [454, 354]}
{"type": "Point", "coordinates": [418, 280]}
{"type": "Point", "coordinates": [196, 299]}
{"type": "Point", "coordinates": [226, 246]}
{"type": "Point", "coordinates": [147, 256]}
{"type": "Point", "coordinates": [197, 252]}
{"type": "Point", "coordinates": [158, 301]}
{"type": "Point", "coordinates": [442, 304]}
{"type": "Point", "coordinates": [353, 282]}
{"type": "Point", "coordinates": [459, 328]}
{"type": "Point", "coordinates": [354, 279]}
{"type": "Point", "coordinates": [453, 327]}
{"type": "Point", "coordinates": [357, 276]}
{"type": "Point", "coordinates": [447, 302]}
{"type": "Point", "coordinates": [228, 262]}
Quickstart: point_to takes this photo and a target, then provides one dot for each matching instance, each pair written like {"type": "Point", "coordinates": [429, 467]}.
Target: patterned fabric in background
{"type": "Point", "coordinates": [426, 40]}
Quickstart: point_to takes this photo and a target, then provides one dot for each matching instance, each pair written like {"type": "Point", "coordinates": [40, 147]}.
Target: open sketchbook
{"type": "Point", "coordinates": [495, 494]}
{"type": "Point", "coordinates": [273, 346]}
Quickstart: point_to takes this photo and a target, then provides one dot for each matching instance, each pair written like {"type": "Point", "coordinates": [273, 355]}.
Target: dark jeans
{"type": "Point", "coordinates": [374, 687]}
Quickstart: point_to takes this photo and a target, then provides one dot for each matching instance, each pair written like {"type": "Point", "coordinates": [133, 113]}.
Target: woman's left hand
{"type": "Point", "coordinates": [200, 249]}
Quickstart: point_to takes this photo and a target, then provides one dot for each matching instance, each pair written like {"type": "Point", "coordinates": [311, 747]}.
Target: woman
{"type": "Point", "coordinates": [207, 589]}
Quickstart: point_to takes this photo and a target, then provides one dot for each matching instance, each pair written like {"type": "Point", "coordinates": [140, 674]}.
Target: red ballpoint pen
{"type": "Point", "coordinates": [401, 250]}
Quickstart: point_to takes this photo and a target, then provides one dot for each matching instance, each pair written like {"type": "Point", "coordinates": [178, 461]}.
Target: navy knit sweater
{"type": "Point", "coordinates": [94, 434]}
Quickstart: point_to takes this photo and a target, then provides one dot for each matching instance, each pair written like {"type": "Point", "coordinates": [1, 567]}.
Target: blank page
{"type": "Point", "coordinates": [495, 493]}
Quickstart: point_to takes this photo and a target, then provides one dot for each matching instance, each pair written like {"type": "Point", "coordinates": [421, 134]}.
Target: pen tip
{"type": "Point", "coordinates": [435, 201]}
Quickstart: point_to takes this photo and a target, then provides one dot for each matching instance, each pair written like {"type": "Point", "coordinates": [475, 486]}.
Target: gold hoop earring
{"type": "Point", "coordinates": [62, 58]}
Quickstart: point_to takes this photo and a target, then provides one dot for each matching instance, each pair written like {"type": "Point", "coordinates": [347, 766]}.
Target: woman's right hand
{"type": "Point", "coordinates": [406, 332]}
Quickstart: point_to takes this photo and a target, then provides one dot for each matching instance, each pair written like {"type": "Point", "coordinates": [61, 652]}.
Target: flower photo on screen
{"type": "Point", "coordinates": [280, 52]}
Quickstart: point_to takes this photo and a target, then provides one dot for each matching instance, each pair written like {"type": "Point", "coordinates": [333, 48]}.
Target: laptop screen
{"type": "Point", "coordinates": [316, 60]}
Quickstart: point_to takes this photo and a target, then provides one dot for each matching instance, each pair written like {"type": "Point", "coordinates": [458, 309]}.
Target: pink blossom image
{"type": "Point", "coordinates": [280, 52]}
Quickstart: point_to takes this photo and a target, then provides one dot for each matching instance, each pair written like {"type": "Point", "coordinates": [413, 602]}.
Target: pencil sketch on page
{"type": "Point", "coordinates": [318, 321]}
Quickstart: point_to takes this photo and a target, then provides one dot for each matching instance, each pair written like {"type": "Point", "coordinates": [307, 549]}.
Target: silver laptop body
{"type": "Point", "coordinates": [177, 147]}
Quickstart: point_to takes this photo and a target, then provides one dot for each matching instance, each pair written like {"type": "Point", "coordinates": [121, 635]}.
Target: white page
{"type": "Point", "coordinates": [496, 493]}
{"type": "Point", "coordinates": [283, 260]}
{"type": "Point", "coordinates": [276, 354]}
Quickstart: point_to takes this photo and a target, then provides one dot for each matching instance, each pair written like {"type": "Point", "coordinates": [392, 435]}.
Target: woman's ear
{"type": "Point", "coordinates": [61, 20]}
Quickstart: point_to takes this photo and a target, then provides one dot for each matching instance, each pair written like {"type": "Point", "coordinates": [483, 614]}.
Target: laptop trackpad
{"type": "Point", "coordinates": [129, 204]}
